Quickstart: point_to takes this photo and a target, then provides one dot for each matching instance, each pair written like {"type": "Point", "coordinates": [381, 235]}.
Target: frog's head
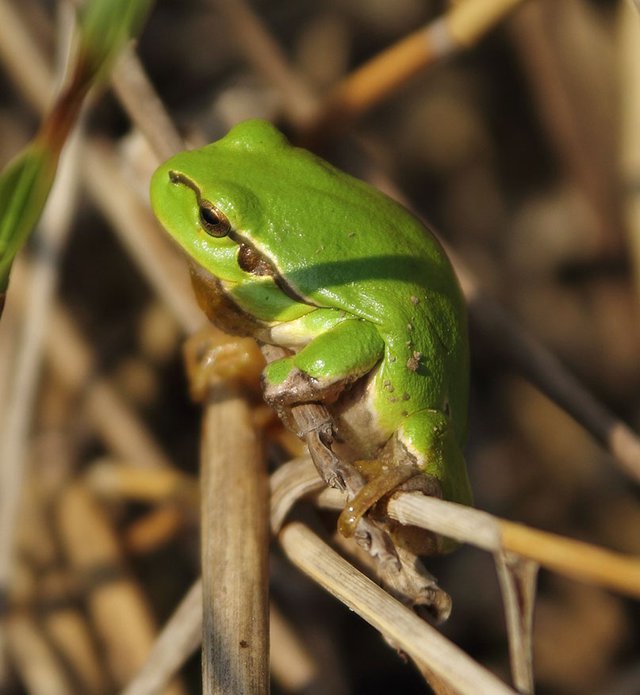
{"type": "Point", "coordinates": [212, 202]}
{"type": "Point", "coordinates": [205, 200]}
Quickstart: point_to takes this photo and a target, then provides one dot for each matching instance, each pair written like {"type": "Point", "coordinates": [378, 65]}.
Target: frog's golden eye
{"type": "Point", "coordinates": [212, 220]}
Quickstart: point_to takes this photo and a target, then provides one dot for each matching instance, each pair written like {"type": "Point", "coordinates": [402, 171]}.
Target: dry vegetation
{"type": "Point", "coordinates": [513, 128]}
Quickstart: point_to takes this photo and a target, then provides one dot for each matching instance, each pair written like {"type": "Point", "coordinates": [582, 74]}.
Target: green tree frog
{"type": "Point", "coordinates": [294, 252]}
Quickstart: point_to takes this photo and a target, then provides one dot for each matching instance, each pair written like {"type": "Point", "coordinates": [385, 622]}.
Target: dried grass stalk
{"type": "Point", "coordinates": [235, 542]}
{"type": "Point", "coordinates": [403, 628]}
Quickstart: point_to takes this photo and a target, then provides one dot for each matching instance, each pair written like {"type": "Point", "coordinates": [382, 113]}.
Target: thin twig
{"type": "Point", "coordinates": [378, 79]}
{"type": "Point", "coordinates": [177, 641]}
{"type": "Point", "coordinates": [576, 559]}
{"type": "Point", "coordinates": [401, 626]}
{"type": "Point", "coordinates": [629, 80]}
{"type": "Point", "coordinates": [571, 108]}
{"type": "Point", "coordinates": [517, 578]}
{"type": "Point", "coordinates": [143, 105]}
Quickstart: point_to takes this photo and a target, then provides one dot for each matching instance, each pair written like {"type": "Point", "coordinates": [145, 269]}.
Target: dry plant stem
{"type": "Point", "coordinates": [518, 584]}
{"type": "Point", "coordinates": [582, 561]}
{"type": "Point", "coordinates": [261, 49]}
{"type": "Point", "coordinates": [161, 264]}
{"type": "Point", "coordinates": [235, 542]}
{"type": "Point", "coordinates": [38, 666]}
{"type": "Point", "coordinates": [291, 665]}
{"type": "Point", "coordinates": [177, 641]}
{"type": "Point", "coordinates": [379, 78]}
{"type": "Point", "coordinates": [153, 486]}
{"type": "Point", "coordinates": [397, 623]}
{"type": "Point", "coordinates": [141, 102]}
{"type": "Point", "coordinates": [116, 604]}
{"type": "Point", "coordinates": [629, 79]}
{"type": "Point", "coordinates": [23, 58]}
{"type": "Point", "coordinates": [567, 106]}
{"type": "Point", "coordinates": [115, 422]}
{"type": "Point", "coordinates": [22, 383]}
{"type": "Point", "coordinates": [546, 371]}
{"type": "Point", "coordinates": [71, 637]}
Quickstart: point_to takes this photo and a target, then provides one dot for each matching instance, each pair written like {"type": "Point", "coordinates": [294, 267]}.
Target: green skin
{"type": "Point", "coordinates": [318, 262]}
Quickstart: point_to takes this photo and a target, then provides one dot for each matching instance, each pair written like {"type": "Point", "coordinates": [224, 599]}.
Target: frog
{"type": "Point", "coordinates": [361, 296]}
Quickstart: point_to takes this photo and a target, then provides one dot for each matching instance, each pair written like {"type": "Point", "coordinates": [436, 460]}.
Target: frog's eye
{"type": "Point", "coordinates": [214, 222]}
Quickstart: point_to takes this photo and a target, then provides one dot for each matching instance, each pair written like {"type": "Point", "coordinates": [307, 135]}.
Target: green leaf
{"type": "Point", "coordinates": [24, 186]}
{"type": "Point", "coordinates": [105, 25]}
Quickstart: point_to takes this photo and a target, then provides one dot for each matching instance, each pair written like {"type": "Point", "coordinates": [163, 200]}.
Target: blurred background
{"type": "Point", "coordinates": [523, 152]}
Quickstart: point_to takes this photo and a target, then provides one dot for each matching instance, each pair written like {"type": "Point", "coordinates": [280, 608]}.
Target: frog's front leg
{"type": "Point", "coordinates": [321, 370]}
{"type": "Point", "coordinates": [298, 386]}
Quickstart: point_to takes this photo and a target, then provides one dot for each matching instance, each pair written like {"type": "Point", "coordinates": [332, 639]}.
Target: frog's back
{"type": "Point", "coordinates": [341, 243]}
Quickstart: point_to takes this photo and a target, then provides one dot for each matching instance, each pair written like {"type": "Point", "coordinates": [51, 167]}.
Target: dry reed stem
{"type": "Point", "coordinates": [159, 261]}
{"type": "Point", "coordinates": [143, 105]}
{"type": "Point", "coordinates": [291, 664]}
{"type": "Point", "coordinates": [543, 369]}
{"type": "Point", "coordinates": [23, 58]}
{"type": "Point", "coordinates": [582, 561]}
{"type": "Point", "coordinates": [72, 640]}
{"type": "Point", "coordinates": [405, 630]}
{"type": "Point", "coordinates": [38, 665]}
{"type": "Point", "coordinates": [568, 106]}
{"type": "Point", "coordinates": [235, 544]}
{"type": "Point", "coordinates": [629, 77]}
{"type": "Point", "coordinates": [117, 606]}
{"type": "Point", "coordinates": [518, 577]}
{"type": "Point", "coordinates": [177, 641]}
{"type": "Point", "coordinates": [155, 529]}
{"type": "Point", "coordinates": [21, 388]}
{"type": "Point", "coordinates": [154, 486]}
{"type": "Point", "coordinates": [378, 79]}
{"type": "Point", "coordinates": [115, 422]}
{"type": "Point", "coordinates": [42, 587]}
{"type": "Point", "coordinates": [262, 49]}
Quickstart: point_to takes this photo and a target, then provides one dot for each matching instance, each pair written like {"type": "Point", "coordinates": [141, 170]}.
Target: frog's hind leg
{"type": "Point", "coordinates": [423, 456]}
{"type": "Point", "coordinates": [383, 484]}
{"type": "Point", "coordinates": [429, 439]}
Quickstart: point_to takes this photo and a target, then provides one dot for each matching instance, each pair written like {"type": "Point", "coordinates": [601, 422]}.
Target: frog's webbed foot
{"type": "Point", "coordinates": [397, 567]}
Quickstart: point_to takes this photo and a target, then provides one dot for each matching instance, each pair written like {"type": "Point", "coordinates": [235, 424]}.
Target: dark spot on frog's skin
{"type": "Point", "coordinates": [406, 396]}
{"type": "Point", "coordinates": [388, 386]}
{"type": "Point", "coordinates": [414, 300]}
{"type": "Point", "coordinates": [351, 235]}
{"type": "Point", "coordinates": [405, 413]}
{"type": "Point", "coordinates": [244, 644]}
{"type": "Point", "coordinates": [392, 399]}
{"type": "Point", "coordinates": [413, 363]}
